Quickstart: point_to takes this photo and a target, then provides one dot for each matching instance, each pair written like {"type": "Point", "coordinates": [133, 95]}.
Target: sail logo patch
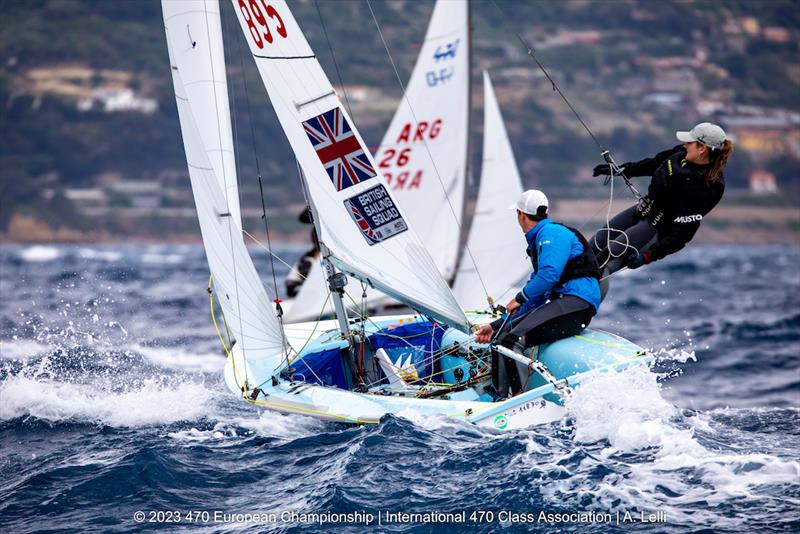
{"type": "Point", "coordinates": [338, 149]}
{"type": "Point", "coordinates": [375, 214]}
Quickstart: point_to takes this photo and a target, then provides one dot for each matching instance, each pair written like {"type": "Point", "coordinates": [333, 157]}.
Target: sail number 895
{"type": "Point", "coordinates": [255, 14]}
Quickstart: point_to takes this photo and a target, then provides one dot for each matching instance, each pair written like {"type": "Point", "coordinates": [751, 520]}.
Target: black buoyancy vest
{"type": "Point", "coordinates": [582, 266]}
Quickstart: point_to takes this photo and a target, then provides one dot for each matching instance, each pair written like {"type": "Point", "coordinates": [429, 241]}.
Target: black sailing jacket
{"type": "Point", "coordinates": [679, 197]}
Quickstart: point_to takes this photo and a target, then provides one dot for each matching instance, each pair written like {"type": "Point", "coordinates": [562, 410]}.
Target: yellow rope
{"type": "Point", "coordinates": [219, 334]}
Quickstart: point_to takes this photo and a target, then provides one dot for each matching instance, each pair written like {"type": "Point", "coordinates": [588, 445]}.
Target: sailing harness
{"type": "Point", "coordinates": [583, 265]}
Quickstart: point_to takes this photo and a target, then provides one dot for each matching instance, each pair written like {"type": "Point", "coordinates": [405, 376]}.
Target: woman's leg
{"type": "Point", "coordinates": [626, 234]}
{"type": "Point", "coordinates": [606, 241]}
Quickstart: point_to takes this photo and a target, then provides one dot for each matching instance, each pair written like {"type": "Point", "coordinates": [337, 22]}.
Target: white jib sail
{"type": "Point", "coordinates": [423, 155]}
{"type": "Point", "coordinates": [195, 31]}
{"type": "Point", "coordinates": [495, 241]}
{"type": "Point", "coordinates": [247, 308]}
{"type": "Point", "coordinates": [312, 300]}
{"type": "Point", "coordinates": [359, 221]}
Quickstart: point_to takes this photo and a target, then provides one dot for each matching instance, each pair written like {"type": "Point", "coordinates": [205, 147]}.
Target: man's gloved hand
{"type": "Point", "coordinates": [484, 334]}
{"type": "Point", "coordinates": [637, 259]}
{"type": "Point", "coordinates": [602, 169]}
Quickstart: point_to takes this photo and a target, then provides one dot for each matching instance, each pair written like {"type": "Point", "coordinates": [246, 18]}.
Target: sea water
{"type": "Point", "coordinates": [114, 416]}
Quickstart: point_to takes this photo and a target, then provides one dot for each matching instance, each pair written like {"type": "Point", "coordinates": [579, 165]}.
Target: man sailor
{"type": "Point", "coordinates": [560, 298]}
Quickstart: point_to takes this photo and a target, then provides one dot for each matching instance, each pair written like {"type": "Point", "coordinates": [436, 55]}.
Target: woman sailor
{"type": "Point", "coordinates": [686, 184]}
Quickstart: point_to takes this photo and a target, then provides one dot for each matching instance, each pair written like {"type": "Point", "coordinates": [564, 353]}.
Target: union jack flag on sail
{"type": "Point", "coordinates": [338, 149]}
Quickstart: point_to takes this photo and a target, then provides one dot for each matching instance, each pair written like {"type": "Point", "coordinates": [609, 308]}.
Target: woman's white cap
{"type": "Point", "coordinates": [707, 133]}
{"type": "Point", "coordinates": [532, 202]}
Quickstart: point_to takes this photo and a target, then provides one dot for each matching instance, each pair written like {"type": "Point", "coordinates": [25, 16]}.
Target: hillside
{"type": "Point", "coordinates": [90, 131]}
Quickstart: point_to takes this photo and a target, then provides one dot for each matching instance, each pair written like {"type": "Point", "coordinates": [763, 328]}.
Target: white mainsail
{"type": "Point", "coordinates": [495, 240]}
{"type": "Point", "coordinates": [366, 231]}
{"type": "Point", "coordinates": [247, 307]}
{"type": "Point", "coordinates": [436, 105]}
{"type": "Point", "coordinates": [423, 155]}
{"type": "Point", "coordinates": [194, 32]}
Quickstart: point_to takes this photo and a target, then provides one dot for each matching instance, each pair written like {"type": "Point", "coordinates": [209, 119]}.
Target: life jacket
{"type": "Point", "coordinates": [581, 266]}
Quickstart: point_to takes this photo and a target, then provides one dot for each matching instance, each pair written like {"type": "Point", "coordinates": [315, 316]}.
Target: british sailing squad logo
{"type": "Point", "coordinates": [375, 214]}
{"type": "Point", "coordinates": [338, 149]}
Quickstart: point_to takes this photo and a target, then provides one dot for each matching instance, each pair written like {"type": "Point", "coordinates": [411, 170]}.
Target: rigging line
{"type": "Point", "coordinates": [260, 244]}
{"type": "Point", "coordinates": [225, 182]}
{"type": "Point", "coordinates": [615, 169]}
{"type": "Point", "coordinates": [532, 53]}
{"type": "Point", "coordinates": [620, 237]}
{"type": "Point", "coordinates": [335, 63]}
{"type": "Point", "coordinates": [427, 148]}
{"type": "Point", "coordinates": [214, 319]}
{"type": "Point", "coordinates": [289, 360]}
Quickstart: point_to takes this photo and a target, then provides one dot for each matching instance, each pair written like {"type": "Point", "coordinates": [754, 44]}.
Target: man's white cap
{"type": "Point", "coordinates": [709, 134]}
{"type": "Point", "coordinates": [532, 202]}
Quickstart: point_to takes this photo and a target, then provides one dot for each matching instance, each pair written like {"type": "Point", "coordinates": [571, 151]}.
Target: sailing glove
{"type": "Point", "coordinates": [637, 259]}
{"type": "Point", "coordinates": [603, 169]}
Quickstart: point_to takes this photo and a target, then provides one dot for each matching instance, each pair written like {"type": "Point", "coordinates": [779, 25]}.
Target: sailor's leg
{"type": "Point", "coordinates": [636, 235]}
{"type": "Point", "coordinates": [609, 235]}
{"type": "Point", "coordinates": [559, 318]}
{"type": "Point", "coordinates": [505, 374]}
{"type": "Point", "coordinates": [640, 237]}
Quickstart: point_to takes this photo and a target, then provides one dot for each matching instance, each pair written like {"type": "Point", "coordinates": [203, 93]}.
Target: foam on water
{"type": "Point", "coordinates": [655, 457]}
{"type": "Point", "coordinates": [20, 348]}
{"type": "Point", "coordinates": [99, 255]}
{"type": "Point", "coordinates": [161, 259]}
{"type": "Point", "coordinates": [180, 358]}
{"type": "Point", "coordinates": [275, 425]}
{"type": "Point", "coordinates": [219, 432]}
{"type": "Point", "coordinates": [40, 253]}
{"type": "Point", "coordinates": [625, 408]}
{"type": "Point", "coordinates": [154, 402]}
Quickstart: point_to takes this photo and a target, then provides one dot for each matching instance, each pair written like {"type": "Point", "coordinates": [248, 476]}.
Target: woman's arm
{"type": "Point", "coordinates": [648, 166]}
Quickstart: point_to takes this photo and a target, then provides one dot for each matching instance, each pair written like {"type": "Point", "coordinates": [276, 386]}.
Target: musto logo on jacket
{"type": "Point", "coordinates": [688, 218]}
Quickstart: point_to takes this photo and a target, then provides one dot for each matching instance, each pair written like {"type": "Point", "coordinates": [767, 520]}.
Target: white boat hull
{"type": "Point", "coordinates": [540, 404]}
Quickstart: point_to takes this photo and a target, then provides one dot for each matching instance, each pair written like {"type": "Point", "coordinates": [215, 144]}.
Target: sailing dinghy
{"type": "Point", "coordinates": [347, 370]}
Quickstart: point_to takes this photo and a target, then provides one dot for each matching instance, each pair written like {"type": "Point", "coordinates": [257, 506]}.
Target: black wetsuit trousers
{"type": "Point", "coordinates": [626, 234]}
{"type": "Point", "coordinates": [561, 317]}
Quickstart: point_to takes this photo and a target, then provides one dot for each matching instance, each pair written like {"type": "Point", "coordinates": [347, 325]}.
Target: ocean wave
{"type": "Point", "coordinates": [152, 402]}
{"type": "Point", "coordinates": [39, 254]}
{"type": "Point", "coordinates": [100, 254]}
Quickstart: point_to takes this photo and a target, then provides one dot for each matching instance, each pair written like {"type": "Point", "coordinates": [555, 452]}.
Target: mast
{"type": "Point", "coordinates": [336, 281]}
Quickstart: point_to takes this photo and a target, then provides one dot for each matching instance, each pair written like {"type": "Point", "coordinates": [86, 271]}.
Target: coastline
{"type": "Point", "coordinates": [727, 224]}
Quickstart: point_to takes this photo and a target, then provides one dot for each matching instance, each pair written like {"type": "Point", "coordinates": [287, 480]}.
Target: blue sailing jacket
{"type": "Point", "coordinates": [555, 245]}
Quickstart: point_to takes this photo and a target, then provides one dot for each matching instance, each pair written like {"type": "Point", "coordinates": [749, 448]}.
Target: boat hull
{"type": "Point", "coordinates": [574, 358]}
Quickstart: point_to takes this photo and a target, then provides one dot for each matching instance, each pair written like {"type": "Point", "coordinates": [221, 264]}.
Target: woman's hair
{"type": "Point", "coordinates": [719, 158]}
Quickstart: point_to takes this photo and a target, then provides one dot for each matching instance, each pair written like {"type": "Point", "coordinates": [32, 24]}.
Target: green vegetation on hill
{"type": "Point", "coordinates": [49, 145]}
